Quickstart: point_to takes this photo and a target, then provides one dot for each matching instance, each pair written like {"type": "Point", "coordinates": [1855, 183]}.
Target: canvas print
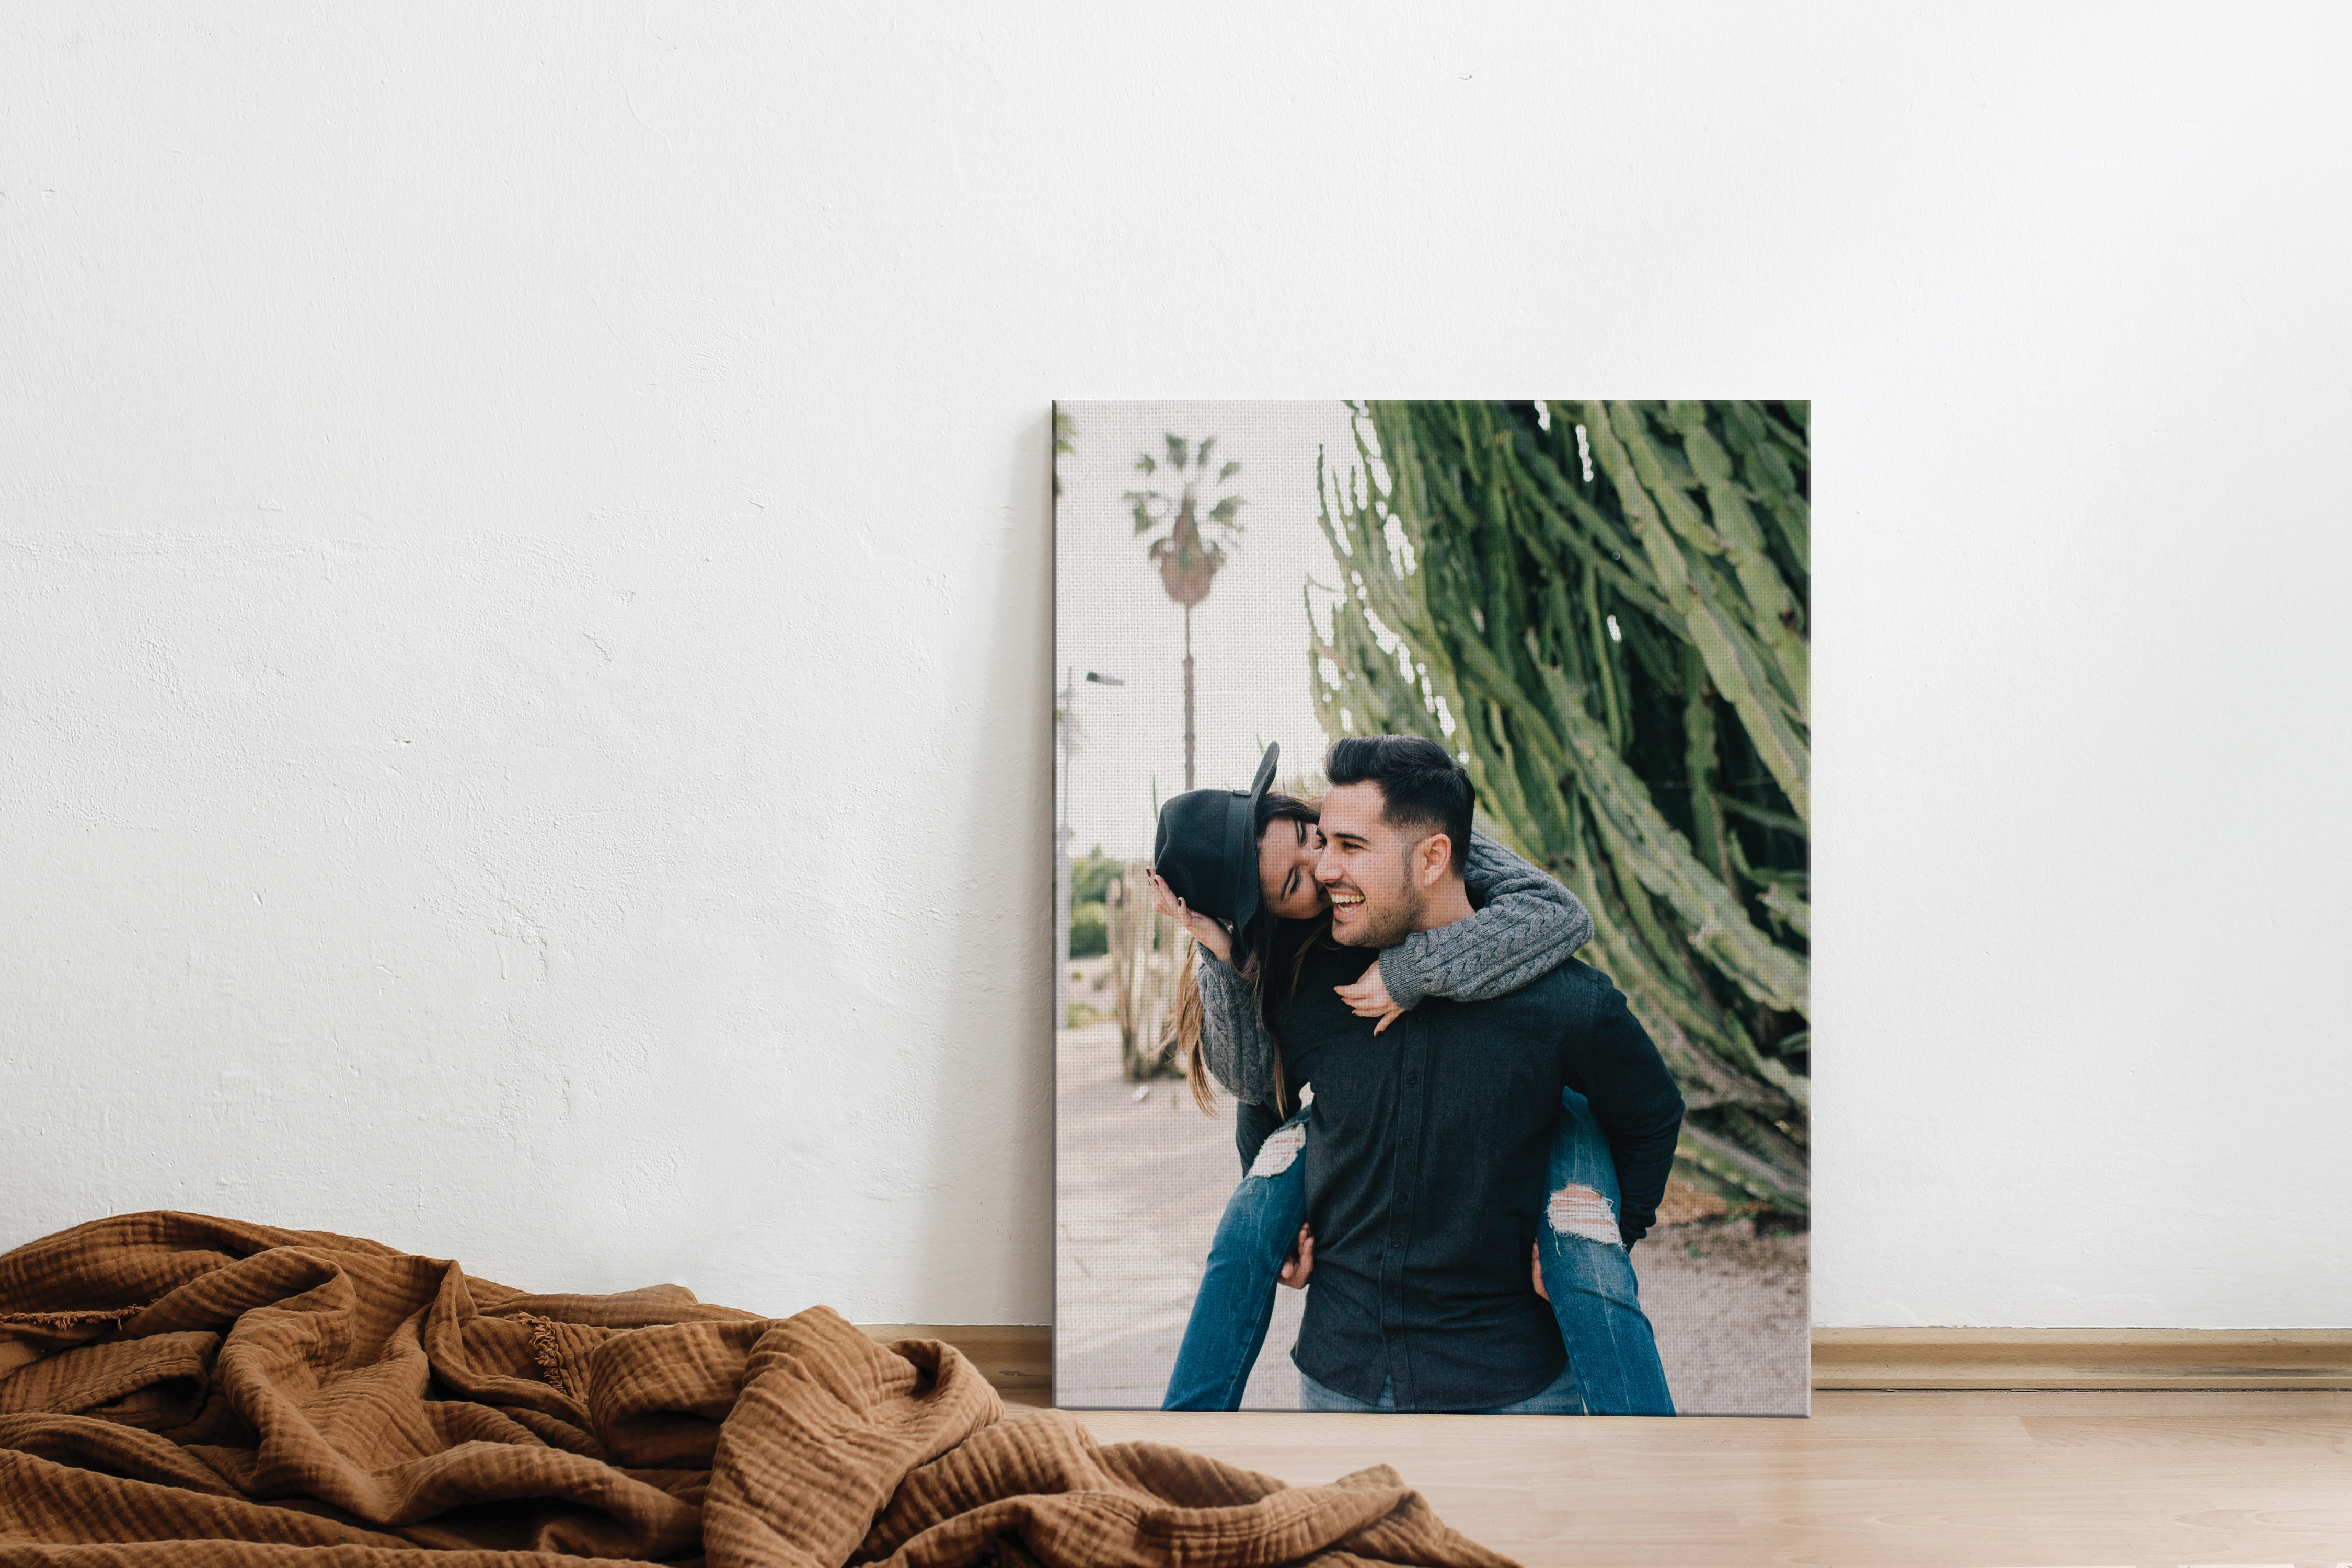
{"type": "Point", "coordinates": [1432, 1013]}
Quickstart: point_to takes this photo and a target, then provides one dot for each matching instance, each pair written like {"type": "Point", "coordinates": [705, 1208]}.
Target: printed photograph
{"type": "Point", "coordinates": [1431, 906]}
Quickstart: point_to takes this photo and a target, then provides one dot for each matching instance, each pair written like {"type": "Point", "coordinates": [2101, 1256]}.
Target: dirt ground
{"type": "Point", "coordinates": [1141, 1177]}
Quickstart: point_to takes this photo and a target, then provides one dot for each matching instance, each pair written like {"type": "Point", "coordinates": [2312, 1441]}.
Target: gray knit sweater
{"type": "Point", "coordinates": [1529, 927]}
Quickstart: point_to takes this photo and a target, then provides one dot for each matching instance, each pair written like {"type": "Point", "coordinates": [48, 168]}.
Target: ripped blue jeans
{"type": "Point", "coordinates": [1612, 1358]}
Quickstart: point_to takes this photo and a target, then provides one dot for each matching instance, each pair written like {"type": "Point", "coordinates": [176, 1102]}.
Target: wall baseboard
{"type": "Point", "coordinates": [1018, 1359]}
{"type": "Point", "coordinates": [2083, 1358]}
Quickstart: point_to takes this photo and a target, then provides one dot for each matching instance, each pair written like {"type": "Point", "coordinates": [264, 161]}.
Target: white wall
{"type": "Point", "coordinates": [523, 590]}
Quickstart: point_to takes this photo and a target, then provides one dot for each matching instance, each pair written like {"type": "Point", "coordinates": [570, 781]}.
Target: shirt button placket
{"type": "Point", "coordinates": [1411, 1117]}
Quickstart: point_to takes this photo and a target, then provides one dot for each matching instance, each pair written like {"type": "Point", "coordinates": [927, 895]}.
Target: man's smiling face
{"type": "Point", "coordinates": [1375, 902]}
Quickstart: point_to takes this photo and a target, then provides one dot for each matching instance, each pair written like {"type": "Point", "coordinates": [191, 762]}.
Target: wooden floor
{"type": "Point", "coordinates": [1872, 1481]}
{"type": "Point", "coordinates": [2149, 1479]}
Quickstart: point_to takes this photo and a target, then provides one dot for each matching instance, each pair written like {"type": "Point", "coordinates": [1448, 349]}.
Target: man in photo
{"type": "Point", "coordinates": [1236, 870]}
{"type": "Point", "coordinates": [1429, 1173]}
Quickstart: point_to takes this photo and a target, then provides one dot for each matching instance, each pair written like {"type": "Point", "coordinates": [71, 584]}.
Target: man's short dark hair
{"type": "Point", "coordinates": [1421, 785]}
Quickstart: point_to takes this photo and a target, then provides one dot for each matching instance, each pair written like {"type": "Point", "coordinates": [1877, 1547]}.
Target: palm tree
{"type": "Point", "coordinates": [1188, 561]}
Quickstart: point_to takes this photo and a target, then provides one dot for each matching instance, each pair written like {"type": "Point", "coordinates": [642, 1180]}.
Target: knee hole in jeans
{"type": "Point", "coordinates": [1578, 1211]}
{"type": "Point", "coordinates": [1281, 1147]}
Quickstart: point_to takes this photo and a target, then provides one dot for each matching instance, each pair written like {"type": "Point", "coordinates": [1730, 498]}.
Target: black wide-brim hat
{"type": "Point", "coordinates": [1206, 848]}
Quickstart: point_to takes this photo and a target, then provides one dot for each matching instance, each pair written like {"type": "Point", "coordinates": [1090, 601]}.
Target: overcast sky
{"type": "Point", "coordinates": [1250, 635]}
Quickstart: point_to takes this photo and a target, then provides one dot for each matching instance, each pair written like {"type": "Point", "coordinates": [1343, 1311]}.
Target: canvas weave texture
{"type": "Point", "coordinates": [185, 1390]}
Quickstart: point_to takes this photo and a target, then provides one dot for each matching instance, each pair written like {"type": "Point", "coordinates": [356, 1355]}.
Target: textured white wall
{"type": "Point", "coordinates": [523, 590]}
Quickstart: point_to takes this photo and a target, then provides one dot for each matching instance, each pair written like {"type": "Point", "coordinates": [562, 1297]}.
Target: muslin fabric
{"type": "Point", "coordinates": [185, 1390]}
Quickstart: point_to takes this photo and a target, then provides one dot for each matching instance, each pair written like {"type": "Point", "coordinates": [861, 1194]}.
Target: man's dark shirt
{"type": "Point", "coordinates": [1426, 1173]}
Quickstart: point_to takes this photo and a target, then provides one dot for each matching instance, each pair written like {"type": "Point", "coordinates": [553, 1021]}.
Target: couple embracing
{"type": "Point", "coordinates": [1484, 1130]}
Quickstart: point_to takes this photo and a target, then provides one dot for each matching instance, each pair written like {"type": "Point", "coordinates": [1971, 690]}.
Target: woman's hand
{"type": "Point", "coordinates": [1369, 998]}
{"type": "Point", "coordinates": [1210, 934]}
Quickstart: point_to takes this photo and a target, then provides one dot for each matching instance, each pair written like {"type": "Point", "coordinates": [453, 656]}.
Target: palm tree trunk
{"type": "Point", "coordinates": [1188, 697]}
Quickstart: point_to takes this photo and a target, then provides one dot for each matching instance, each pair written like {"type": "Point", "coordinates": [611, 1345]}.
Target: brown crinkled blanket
{"type": "Point", "coordinates": [183, 1390]}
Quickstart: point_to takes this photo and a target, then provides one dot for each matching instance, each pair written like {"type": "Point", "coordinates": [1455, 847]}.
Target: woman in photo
{"type": "Point", "coordinates": [1236, 871]}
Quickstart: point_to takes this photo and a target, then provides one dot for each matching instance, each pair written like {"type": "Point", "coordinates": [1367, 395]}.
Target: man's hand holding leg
{"type": "Point", "coordinates": [1301, 1261]}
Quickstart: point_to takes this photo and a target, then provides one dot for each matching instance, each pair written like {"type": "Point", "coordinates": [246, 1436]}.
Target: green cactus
{"type": "Point", "coordinates": [1602, 607]}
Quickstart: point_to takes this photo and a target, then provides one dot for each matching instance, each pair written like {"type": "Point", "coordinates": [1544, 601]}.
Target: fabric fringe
{"type": "Point", "coordinates": [550, 1359]}
{"type": "Point", "coordinates": [71, 1319]}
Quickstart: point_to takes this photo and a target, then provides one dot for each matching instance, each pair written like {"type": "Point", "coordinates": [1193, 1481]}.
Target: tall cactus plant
{"type": "Point", "coordinates": [1602, 607]}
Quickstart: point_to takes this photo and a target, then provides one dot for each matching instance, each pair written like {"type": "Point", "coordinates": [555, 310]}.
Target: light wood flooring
{"type": "Point", "coordinates": [1872, 1481]}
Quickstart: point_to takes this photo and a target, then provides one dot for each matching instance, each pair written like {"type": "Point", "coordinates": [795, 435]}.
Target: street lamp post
{"type": "Point", "coordinates": [1062, 725]}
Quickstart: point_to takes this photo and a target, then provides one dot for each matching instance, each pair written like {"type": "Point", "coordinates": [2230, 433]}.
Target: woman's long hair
{"type": "Point", "coordinates": [1254, 957]}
